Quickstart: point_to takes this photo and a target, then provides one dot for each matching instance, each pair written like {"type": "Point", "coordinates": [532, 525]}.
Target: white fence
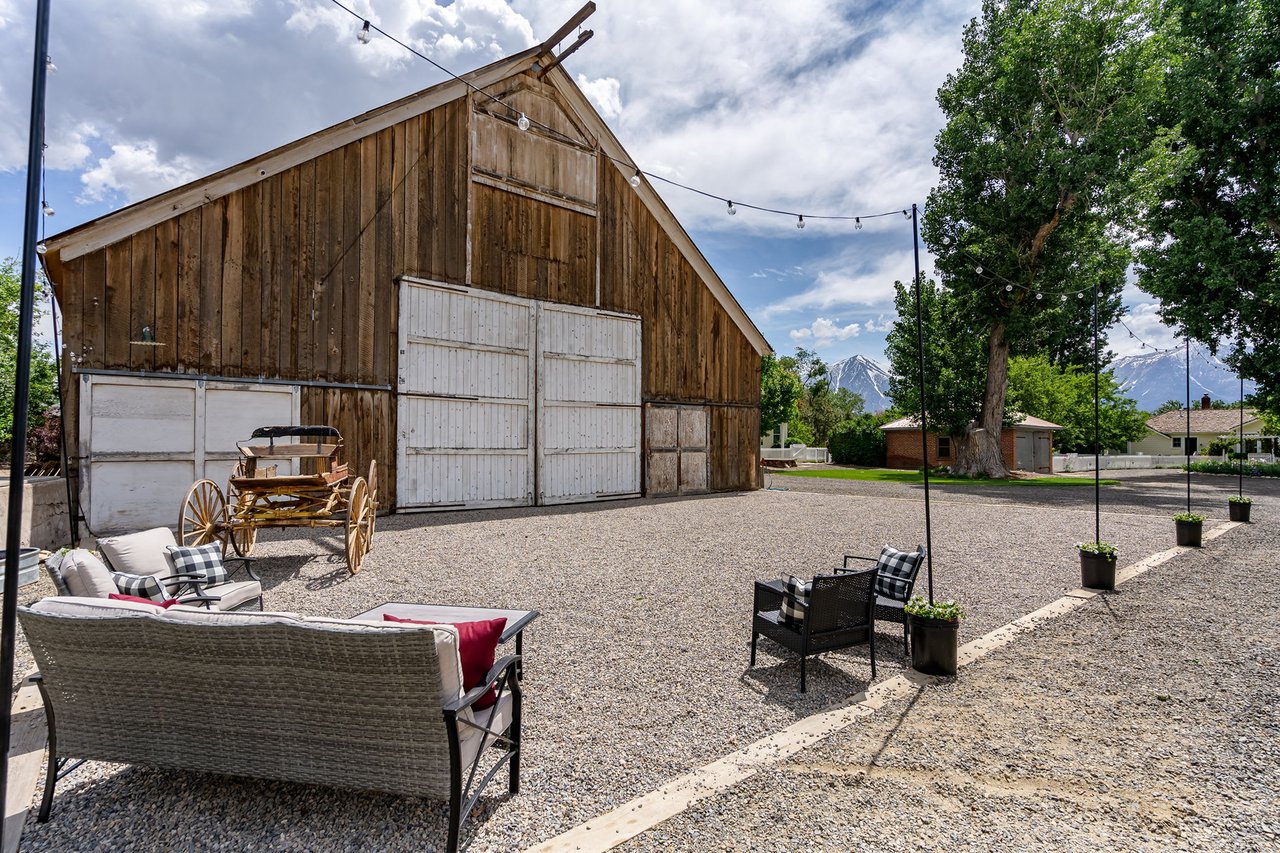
{"type": "Point", "coordinates": [796, 452]}
{"type": "Point", "coordinates": [1084, 462]}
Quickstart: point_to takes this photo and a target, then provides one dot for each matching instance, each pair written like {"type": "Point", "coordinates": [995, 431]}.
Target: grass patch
{"type": "Point", "coordinates": [885, 475]}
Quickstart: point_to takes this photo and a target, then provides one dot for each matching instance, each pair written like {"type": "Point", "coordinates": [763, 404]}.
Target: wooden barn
{"type": "Point", "coordinates": [493, 314]}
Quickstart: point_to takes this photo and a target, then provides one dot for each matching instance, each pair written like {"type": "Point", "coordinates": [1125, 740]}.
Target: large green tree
{"type": "Point", "coordinates": [779, 390]}
{"type": "Point", "coordinates": [43, 387]}
{"type": "Point", "coordinates": [1211, 218]}
{"type": "Point", "coordinates": [1064, 395]}
{"type": "Point", "coordinates": [1046, 122]}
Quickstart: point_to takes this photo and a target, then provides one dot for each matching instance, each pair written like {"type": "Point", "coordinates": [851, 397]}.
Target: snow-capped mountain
{"type": "Point", "coordinates": [865, 377]}
{"type": "Point", "coordinates": [1153, 378]}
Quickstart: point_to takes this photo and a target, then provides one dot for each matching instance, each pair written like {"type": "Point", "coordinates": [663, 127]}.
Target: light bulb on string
{"type": "Point", "coordinates": [48, 211]}
{"type": "Point", "coordinates": [1080, 295]}
{"type": "Point", "coordinates": [1008, 288]}
{"type": "Point", "coordinates": [523, 122]}
{"type": "Point", "coordinates": [857, 223]}
{"type": "Point", "coordinates": [41, 248]}
{"type": "Point", "coordinates": [48, 64]}
{"type": "Point", "coordinates": [978, 270]}
{"type": "Point", "coordinates": [634, 180]}
{"type": "Point", "coordinates": [1064, 297]}
{"type": "Point", "coordinates": [800, 222]}
{"type": "Point", "coordinates": [1039, 296]}
{"type": "Point", "coordinates": [906, 215]}
{"type": "Point", "coordinates": [364, 36]}
{"type": "Point", "coordinates": [733, 211]}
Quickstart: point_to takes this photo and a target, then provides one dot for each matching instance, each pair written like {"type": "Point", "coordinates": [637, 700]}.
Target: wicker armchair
{"type": "Point", "coordinates": [838, 615]}
{"type": "Point", "coordinates": [390, 698]}
{"type": "Point", "coordinates": [889, 608]}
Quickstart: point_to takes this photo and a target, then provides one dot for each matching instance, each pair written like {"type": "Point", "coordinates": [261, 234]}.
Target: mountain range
{"type": "Point", "coordinates": [1149, 379]}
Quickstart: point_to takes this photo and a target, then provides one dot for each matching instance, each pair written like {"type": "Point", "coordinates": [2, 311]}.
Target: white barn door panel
{"type": "Point", "coordinates": [588, 404]}
{"type": "Point", "coordinates": [465, 398]}
{"type": "Point", "coordinates": [143, 442]}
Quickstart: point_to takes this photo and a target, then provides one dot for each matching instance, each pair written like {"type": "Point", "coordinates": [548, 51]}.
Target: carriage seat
{"type": "Point", "coordinates": [143, 565]}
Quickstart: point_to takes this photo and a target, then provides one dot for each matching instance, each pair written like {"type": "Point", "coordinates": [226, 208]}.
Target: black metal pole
{"type": "Point", "coordinates": [1097, 432]}
{"type": "Point", "coordinates": [1240, 457]}
{"type": "Point", "coordinates": [924, 427]}
{"type": "Point", "coordinates": [1186, 442]}
{"type": "Point", "coordinates": [17, 458]}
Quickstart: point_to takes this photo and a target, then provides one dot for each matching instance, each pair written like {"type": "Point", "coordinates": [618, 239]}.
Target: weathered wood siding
{"type": "Point", "coordinates": [367, 421]}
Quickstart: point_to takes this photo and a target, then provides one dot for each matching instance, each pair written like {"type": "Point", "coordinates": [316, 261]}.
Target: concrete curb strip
{"type": "Point", "coordinates": [643, 813]}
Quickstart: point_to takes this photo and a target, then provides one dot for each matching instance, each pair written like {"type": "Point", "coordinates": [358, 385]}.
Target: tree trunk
{"type": "Point", "coordinates": [980, 454]}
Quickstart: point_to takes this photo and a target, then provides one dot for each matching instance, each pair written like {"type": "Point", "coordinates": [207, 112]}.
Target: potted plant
{"type": "Point", "coordinates": [1239, 506]}
{"type": "Point", "coordinates": [935, 635]}
{"type": "Point", "coordinates": [1097, 565]}
{"type": "Point", "coordinates": [1189, 526]}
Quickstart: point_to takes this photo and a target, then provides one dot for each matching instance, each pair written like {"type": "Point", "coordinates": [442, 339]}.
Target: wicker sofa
{"type": "Point", "coordinates": [349, 704]}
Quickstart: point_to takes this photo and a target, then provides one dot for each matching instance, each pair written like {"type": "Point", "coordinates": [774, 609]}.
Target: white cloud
{"type": "Point", "coordinates": [839, 284]}
{"type": "Point", "coordinates": [824, 332]}
{"type": "Point", "coordinates": [136, 171]}
{"type": "Point", "coordinates": [603, 93]}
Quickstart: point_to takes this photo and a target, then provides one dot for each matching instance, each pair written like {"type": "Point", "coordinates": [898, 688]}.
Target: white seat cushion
{"type": "Point", "coordinates": [232, 595]}
{"type": "Point", "coordinates": [469, 739]}
{"type": "Point", "coordinates": [187, 614]}
{"type": "Point", "coordinates": [85, 575]}
{"type": "Point", "coordinates": [64, 605]}
{"type": "Point", "coordinates": [140, 553]}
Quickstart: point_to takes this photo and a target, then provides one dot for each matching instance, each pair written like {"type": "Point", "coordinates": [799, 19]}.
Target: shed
{"type": "Point", "coordinates": [1167, 433]}
{"type": "Point", "coordinates": [493, 314]}
{"type": "Point", "coordinates": [1025, 446]}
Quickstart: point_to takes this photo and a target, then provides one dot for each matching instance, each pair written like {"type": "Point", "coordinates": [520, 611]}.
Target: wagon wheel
{"type": "Point", "coordinates": [243, 536]}
{"type": "Point", "coordinates": [373, 499]}
{"type": "Point", "coordinates": [204, 516]}
{"type": "Point", "coordinates": [359, 523]}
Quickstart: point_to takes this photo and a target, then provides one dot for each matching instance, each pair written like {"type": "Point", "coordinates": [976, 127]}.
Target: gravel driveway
{"type": "Point", "coordinates": [636, 671]}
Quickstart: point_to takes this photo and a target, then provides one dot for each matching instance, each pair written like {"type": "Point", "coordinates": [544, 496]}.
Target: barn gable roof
{"type": "Point", "coordinates": [105, 230]}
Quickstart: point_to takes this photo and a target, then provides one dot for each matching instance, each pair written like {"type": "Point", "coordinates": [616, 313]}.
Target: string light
{"type": "Point", "coordinates": [733, 211]}
{"type": "Point", "coordinates": [634, 180]}
{"type": "Point", "coordinates": [364, 36]}
{"type": "Point", "coordinates": [906, 215]}
{"type": "Point", "coordinates": [41, 248]}
{"type": "Point", "coordinates": [48, 211]}
{"type": "Point", "coordinates": [800, 222]}
{"type": "Point", "coordinates": [1008, 288]}
{"type": "Point", "coordinates": [1039, 296]}
{"type": "Point", "coordinates": [857, 223]}
{"type": "Point", "coordinates": [523, 122]}
{"type": "Point", "coordinates": [978, 270]}
{"type": "Point", "coordinates": [48, 64]}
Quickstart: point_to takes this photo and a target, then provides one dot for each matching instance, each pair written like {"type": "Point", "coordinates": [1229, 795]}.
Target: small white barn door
{"type": "Point", "coordinates": [465, 398]}
{"type": "Point", "coordinates": [144, 441]}
{"type": "Point", "coordinates": [588, 404]}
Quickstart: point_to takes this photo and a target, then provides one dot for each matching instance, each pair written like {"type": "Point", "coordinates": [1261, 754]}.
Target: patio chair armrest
{"type": "Point", "coordinates": [246, 566]}
{"type": "Point", "coordinates": [496, 672]}
{"type": "Point", "coordinates": [206, 600]}
{"type": "Point", "coordinates": [848, 557]}
{"type": "Point", "coordinates": [186, 577]}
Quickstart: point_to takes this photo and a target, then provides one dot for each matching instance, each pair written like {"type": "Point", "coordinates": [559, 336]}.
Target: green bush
{"type": "Point", "coordinates": [1251, 469]}
{"type": "Point", "coordinates": [858, 441]}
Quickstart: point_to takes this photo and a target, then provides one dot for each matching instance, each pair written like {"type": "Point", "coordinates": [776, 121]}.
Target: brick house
{"type": "Point", "coordinates": [1025, 446]}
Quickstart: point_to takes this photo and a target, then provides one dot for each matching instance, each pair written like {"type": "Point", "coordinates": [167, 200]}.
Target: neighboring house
{"type": "Point", "coordinates": [495, 314]}
{"type": "Point", "coordinates": [1168, 435]}
{"type": "Point", "coordinates": [1025, 446]}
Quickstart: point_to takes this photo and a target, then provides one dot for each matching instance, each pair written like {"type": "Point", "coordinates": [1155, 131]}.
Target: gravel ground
{"type": "Point", "coordinates": [1146, 720]}
{"type": "Point", "coordinates": [636, 671]}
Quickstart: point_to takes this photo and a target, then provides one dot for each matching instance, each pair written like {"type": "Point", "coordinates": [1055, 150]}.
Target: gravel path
{"type": "Point", "coordinates": [636, 671]}
{"type": "Point", "coordinates": [1146, 720]}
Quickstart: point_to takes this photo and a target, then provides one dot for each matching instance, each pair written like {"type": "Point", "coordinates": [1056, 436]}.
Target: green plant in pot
{"type": "Point", "coordinates": [1097, 565]}
{"type": "Point", "coordinates": [1189, 526]}
{"type": "Point", "coordinates": [1239, 505]}
{"type": "Point", "coordinates": [935, 635]}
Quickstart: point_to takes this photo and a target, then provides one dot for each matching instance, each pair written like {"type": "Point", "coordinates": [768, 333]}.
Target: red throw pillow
{"type": "Point", "coordinates": [117, 596]}
{"type": "Point", "coordinates": [477, 644]}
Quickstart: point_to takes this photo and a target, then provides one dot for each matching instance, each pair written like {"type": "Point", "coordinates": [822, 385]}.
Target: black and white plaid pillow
{"type": "Point", "coordinates": [200, 560]}
{"type": "Point", "coordinates": [142, 586]}
{"type": "Point", "coordinates": [793, 608]}
{"type": "Point", "coordinates": [897, 571]}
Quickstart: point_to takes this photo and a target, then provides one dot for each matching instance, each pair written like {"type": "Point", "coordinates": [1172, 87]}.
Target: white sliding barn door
{"type": "Point", "coordinates": [588, 404]}
{"type": "Point", "coordinates": [465, 398]}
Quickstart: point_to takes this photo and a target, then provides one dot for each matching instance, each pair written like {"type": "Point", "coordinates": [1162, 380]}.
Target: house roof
{"type": "Point", "coordinates": [1216, 421]}
{"type": "Point", "coordinates": [1026, 422]}
{"type": "Point", "coordinates": [105, 230]}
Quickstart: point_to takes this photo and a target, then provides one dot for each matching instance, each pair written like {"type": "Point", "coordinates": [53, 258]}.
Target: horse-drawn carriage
{"type": "Point", "coordinates": [315, 493]}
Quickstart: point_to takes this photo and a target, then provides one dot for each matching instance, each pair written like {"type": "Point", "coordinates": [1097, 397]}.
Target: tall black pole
{"type": "Point", "coordinates": [1241, 455]}
{"type": "Point", "coordinates": [1186, 442]}
{"type": "Point", "coordinates": [1097, 432]}
{"type": "Point", "coordinates": [26, 314]}
{"type": "Point", "coordinates": [924, 428]}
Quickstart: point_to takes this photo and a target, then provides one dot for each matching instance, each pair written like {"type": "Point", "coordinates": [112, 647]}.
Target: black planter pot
{"type": "Point", "coordinates": [1239, 511]}
{"type": "Point", "coordinates": [1189, 532]}
{"type": "Point", "coordinates": [1097, 571]}
{"type": "Point", "coordinates": [935, 645]}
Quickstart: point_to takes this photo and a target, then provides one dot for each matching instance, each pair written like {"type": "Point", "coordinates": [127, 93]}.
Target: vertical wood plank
{"type": "Point", "coordinates": [167, 262]}
{"type": "Point", "coordinates": [116, 306]}
{"type": "Point", "coordinates": [412, 195]}
{"type": "Point", "coordinates": [307, 278]}
{"type": "Point", "coordinates": [142, 297]}
{"type": "Point", "coordinates": [349, 314]}
{"type": "Point", "coordinates": [382, 286]}
{"type": "Point", "coordinates": [286, 242]}
{"type": "Point", "coordinates": [189, 246]}
{"type": "Point", "coordinates": [329, 255]}
{"type": "Point", "coordinates": [212, 228]}
{"type": "Point", "coordinates": [232, 285]}
{"type": "Point", "coordinates": [273, 276]}
{"type": "Point", "coordinates": [251, 282]}
{"type": "Point", "coordinates": [369, 213]}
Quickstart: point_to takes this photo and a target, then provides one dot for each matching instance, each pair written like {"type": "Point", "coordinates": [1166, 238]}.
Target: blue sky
{"type": "Point", "coordinates": [817, 107]}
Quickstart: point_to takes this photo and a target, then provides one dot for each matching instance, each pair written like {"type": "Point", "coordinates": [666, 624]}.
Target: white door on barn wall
{"type": "Point", "coordinates": [465, 398]}
{"type": "Point", "coordinates": [144, 441]}
{"type": "Point", "coordinates": [588, 404]}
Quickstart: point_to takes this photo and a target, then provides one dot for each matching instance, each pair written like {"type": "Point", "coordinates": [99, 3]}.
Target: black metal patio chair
{"type": "Point", "coordinates": [837, 615]}
{"type": "Point", "coordinates": [896, 578]}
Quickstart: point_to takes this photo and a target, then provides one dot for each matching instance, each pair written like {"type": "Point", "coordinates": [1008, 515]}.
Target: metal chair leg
{"type": "Point", "coordinates": [754, 637]}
